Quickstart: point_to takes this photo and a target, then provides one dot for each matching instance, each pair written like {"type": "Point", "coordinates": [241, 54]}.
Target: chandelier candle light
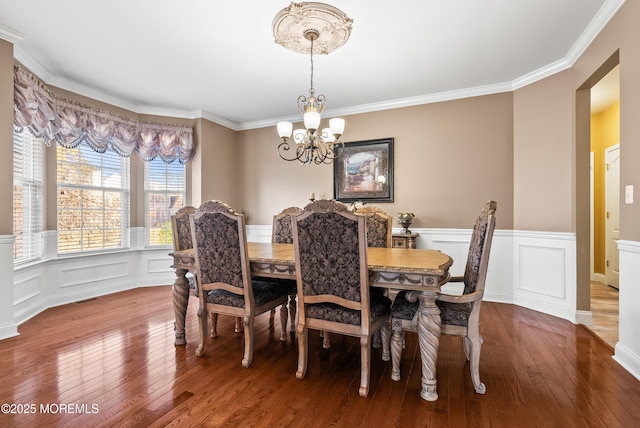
{"type": "Point", "coordinates": [296, 28]}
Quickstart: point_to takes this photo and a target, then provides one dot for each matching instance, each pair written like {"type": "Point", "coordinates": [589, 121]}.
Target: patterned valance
{"type": "Point", "coordinates": [69, 124]}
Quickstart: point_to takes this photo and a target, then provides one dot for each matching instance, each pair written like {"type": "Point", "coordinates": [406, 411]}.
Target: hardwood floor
{"type": "Point", "coordinates": [604, 308]}
{"type": "Point", "coordinates": [112, 362]}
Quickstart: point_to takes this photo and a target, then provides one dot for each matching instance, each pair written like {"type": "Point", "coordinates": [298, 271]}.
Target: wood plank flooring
{"type": "Point", "coordinates": [605, 312]}
{"type": "Point", "coordinates": [111, 361]}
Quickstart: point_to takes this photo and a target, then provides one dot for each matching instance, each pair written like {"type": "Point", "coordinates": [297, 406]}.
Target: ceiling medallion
{"type": "Point", "coordinates": [291, 24]}
{"type": "Point", "coordinates": [309, 28]}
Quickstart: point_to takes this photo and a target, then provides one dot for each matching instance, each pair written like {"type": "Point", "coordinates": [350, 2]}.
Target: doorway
{"type": "Point", "coordinates": [605, 200]}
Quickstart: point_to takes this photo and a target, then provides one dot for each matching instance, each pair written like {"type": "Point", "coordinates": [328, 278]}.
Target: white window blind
{"type": "Point", "coordinates": [93, 200]}
{"type": "Point", "coordinates": [27, 196]}
{"type": "Point", "coordinates": [164, 189]}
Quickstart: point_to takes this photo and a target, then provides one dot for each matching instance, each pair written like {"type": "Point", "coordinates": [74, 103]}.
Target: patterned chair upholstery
{"type": "Point", "coordinates": [223, 274]}
{"type": "Point", "coordinates": [333, 276]}
{"type": "Point", "coordinates": [181, 228]}
{"type": "Point", "coordinates": [460, 314]}
{"type": "Point", "coordinates": [281, 232]}
{"type": "Point", "coordinates": [182, 240]}
{"type": "Point", "coordinates": [378, 226]}
{"type": "Point", "coordinates": [181, 235]}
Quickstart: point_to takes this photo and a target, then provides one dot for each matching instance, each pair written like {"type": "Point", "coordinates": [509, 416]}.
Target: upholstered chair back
{"type": "Point", "coordinates": [478, 258]}
{"type": "Point", "coordinates": [281, 233]}
{"type": "Point", "coordinates": [181, 228]}
{"type": "Point", "coordinates": [220, 254]}
{"type": "Point", "coordinates": [332, 253]}
{"type": "Point", "coordinates": [378, 226]}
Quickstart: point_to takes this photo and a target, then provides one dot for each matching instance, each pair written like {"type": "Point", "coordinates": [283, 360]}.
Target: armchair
{"type": "Point", "coordinates": [460, 314]}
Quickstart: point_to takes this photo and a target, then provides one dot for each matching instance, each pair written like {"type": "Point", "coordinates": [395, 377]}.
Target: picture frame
{"type": "Point", "coordinates": [364, 172]}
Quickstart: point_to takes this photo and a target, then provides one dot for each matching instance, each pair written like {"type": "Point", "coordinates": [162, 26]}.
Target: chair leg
{"type": "Point", "coordinates": [214, 324]}
{"type": "Point", "coordinates": [248, 341]}
{"type": "Point", "coordinates": [385, 337]}
{"type": "Point", "coordinates": [238, 328]}
{"type": "Point", "coordinates": [365, 365]}
{"type": "Point", "coordinates": [284, 315]}
{"type": "Point", "coordinates": [466, 344]}
{"type": "Point", "coordinates": [292, 312]}
{"type": "Point", "coordinates": [397, 341]}
{"type": "Point", "coordinates": [326, 341]}
{"type": "Point", "coordinates": [475, 343]}
{"type": "Point", "coordinates": [303, 347]}
{"type": "Point", "coordinates": [376, 341]}
{"type": "Point", "coordinates": [203, 316]}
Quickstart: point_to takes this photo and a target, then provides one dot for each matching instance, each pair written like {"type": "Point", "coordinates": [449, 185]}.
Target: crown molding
{"type": "Point", "coordinates": [604, 15]}
{"type": "Point", "coordinates": [10, 35]}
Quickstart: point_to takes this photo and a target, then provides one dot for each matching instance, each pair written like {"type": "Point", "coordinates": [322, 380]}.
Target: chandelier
{"type": "Point", "coordinates": [296, 28]}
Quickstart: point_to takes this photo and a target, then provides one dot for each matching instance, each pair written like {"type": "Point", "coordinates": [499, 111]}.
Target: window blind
{"type": "Point", "coordinates": [27, 196]}
{"type": "Point", "coordinates": [164, 185]}
{"type": "Point", "coordinates": [93, 200]}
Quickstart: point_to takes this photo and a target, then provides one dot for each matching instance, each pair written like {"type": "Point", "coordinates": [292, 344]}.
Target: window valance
{"type": "Point", "coordinates": [69, 124]}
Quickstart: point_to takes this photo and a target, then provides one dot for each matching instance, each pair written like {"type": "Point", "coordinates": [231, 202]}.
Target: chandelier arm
{"type": "Point", "coordinates": [302, 101]}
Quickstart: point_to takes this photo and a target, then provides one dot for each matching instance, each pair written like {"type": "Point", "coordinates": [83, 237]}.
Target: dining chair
{"type": "Point", "coordinates": [378, 225]}
{"type": "Point", "coordinates": [281, 229]}
{"type": "Point", "coordinates": [181, 234]}
{"type": "Point", "coordinates": [333, 281]}
{"type": "Point", "coordinates": [460, 314]}
{"type": "Point", "coordinates": [181, 228]}
{"type": "Point", "coordinates": [223, 274]}
{"type": "Point", "coordinates": [281, 233]}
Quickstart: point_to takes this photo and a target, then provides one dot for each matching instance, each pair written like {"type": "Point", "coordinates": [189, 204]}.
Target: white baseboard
{"type": "Point", "coordinates": [627, 359]}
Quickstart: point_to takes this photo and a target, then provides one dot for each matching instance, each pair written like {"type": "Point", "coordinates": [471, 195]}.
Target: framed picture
{"type": "Point", "coordinates": [364, 172]}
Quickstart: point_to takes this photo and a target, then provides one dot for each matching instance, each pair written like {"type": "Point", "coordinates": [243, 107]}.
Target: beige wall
{"type": "Point", "coordinates": [449, 157]}
{"type": "Point", "coordinates": [529, 150]}
{"type": "Point", "coordinates": [6, 137]}
{"type": "Point", "coordinates": [214, 169]}
{"type": "Point", "coordinates": [543, 155]}
{"type": "Point", "coordinates": [621, 33]}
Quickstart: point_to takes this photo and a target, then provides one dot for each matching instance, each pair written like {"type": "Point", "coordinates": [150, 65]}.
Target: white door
{"type": "Point", "coordinates": [612, 216]}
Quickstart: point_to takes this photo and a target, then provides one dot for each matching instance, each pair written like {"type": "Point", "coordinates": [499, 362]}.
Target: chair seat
{"type": "Point", "coordinates": [263, 293]}
{"type": "Point", "coordinates": [380, 306]}
{"type": "Point", "coordinates": [450, 313]}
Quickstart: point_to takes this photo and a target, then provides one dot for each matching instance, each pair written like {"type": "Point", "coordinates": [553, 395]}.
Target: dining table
{"type": "Point", "coordinates": [421, 272]}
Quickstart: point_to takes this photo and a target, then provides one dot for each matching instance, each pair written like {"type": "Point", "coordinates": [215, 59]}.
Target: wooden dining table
{"type": "Point", "coordinates": [421, 272]}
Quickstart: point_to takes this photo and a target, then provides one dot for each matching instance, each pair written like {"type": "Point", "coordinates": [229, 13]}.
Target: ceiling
{"type": "Point", "coordinates": [218, 60]}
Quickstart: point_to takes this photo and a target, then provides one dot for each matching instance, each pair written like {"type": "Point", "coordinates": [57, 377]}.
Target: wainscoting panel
{"type": "Point", "coordinates": [545, 278]}
{"type": "Point", "coordinates": [92, 272]}
{"type": "Point", "coordinates": [259, 233]}
{"type": "Point", "coordinates": [627, 350]}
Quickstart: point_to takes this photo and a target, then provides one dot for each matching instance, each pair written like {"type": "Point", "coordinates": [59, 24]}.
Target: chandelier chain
{"type": "Point", "coordinates": [312, 90]}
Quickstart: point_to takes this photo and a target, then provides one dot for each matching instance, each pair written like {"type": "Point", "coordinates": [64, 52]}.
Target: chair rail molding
{"type": "Point", "coordinates": [533, 269]}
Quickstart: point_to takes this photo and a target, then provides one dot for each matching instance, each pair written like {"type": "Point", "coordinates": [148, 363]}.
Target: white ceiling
{"type": "Point", "coordinates": [218, 60]}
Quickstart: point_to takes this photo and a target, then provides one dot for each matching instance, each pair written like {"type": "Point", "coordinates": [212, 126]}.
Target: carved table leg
{"type": "Point", "coordinates": [180, 303]}
{"type": "Point", "coordinates": [396, 348]}
{"type": "Point", "coordinates": [428, 339]}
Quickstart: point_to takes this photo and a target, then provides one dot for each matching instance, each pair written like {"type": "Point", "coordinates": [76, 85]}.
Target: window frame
{"type": "Point", "coordinates": [123, 190]}
{"type": "Point", "coordinates": [166, 191]}
{"type": "Point", "coordinates": [31, 177]}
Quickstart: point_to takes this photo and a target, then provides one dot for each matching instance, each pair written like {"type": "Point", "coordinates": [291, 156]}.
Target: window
{"type": "Point", "coordinates": [164, 194]}
{"type": "Point", "coordinates": [27, 196]}
{"type": "Point", "coordinates": [93, 200]}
